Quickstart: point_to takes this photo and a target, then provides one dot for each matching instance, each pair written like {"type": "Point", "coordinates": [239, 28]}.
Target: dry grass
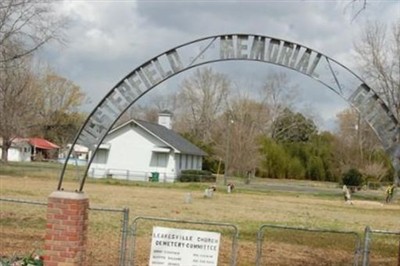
{"type": "Point", "coordinates": [248, 209]}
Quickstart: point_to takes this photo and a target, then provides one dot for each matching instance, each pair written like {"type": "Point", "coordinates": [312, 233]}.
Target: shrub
{"type": "Point", "coordinates": [374, 185]}
{"type": "Point", "coordinates": [353, 178]}
{"type": "Point", "coordinates": [29, 260]}
{"type": "Point", "coordinates": [196, 176]}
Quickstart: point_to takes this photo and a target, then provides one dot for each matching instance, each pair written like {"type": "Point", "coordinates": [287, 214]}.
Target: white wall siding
{"type": "Point", "coordinates": [18, 154]}
{"type": "Point", "coordinates": [131, 153]}
{"type": "Point", "coordinates": [131, 156]}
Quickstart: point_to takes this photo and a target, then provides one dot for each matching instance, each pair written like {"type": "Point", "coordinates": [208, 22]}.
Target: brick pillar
{"type": "Point", "coordinates": [66, 229]}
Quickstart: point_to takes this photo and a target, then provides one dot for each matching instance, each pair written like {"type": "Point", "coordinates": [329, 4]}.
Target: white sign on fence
{"type": "Point", "coordinates": [180, 247]}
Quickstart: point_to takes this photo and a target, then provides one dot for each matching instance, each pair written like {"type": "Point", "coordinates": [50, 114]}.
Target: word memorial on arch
{"type": "Point", "coordinates": [249, 47]}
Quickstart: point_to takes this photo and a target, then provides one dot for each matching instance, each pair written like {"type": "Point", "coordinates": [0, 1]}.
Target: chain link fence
{"type": "Point", "coordinates": [386, 242]}
{"type": "Point", "coordinates": [112, 240]}
{"type": "Point", "coordinates": [141, 237]}
{"type": "Point", "coordinates": [285, 245]}
{"type": "Point", "coordinates": [131, 175]}
{"type": "Point", "coordinates": [107, 236]}
{"type": "Point", "coordinates": [23, 224]}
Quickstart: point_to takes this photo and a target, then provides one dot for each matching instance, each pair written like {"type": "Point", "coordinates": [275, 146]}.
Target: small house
{"type": "Point", "coordinates": [79, 155]}
{"type": "Point", "coordinates": [145, 151]}
{"type": "Point", "coordinates": [31, 149]}
{"type": "Point", "coordinates": [43, 149]}
{"type": "Point", "coordinates": [20, 150]}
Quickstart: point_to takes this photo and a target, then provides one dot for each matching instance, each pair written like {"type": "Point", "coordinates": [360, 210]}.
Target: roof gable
{"type": "Point", "coordinates": [167, 136]}
{"type": "Point", "coordinates": [35, 142]}
{"type": "Point", "coordinates": [42, 144]}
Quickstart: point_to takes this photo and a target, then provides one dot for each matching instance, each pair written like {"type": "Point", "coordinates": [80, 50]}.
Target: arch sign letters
{"type": "Point", "coordinates": [247, 47]}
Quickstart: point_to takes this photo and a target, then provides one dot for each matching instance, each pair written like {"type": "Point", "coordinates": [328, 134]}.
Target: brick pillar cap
{"type": "Point", "coordinates": [68, 195]}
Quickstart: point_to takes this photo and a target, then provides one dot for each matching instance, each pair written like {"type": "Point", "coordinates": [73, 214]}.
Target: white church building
{"type": "Point", "coordinates": [145, 151]}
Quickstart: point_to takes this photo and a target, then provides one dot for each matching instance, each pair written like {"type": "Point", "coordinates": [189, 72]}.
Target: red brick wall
{"type": "Point", "coordinates": [66, 229]}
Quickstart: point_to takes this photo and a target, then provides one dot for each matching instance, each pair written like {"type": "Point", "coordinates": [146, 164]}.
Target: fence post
{"type": "Point", "coordinates": [260, 237]}
{"type": "Point", "coordinates": [132, 249]}
{"type": "Point", "coordinates": [234, 248]}
{"type": "Point", "coordinates": [398, 260]}
{"type": "Point", "coordinates": [66, 229]}
{"type": "Point", "coordinates": [367, 232]}
{"type": "Point", "coordinates": [125, 224]}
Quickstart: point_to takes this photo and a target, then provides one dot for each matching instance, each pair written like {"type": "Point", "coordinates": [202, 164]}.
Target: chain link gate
{"type": "Point", "coordinates": [387, 241]}
{"type": "Point", "coordinates": [26, 212]}
{"type": "Point", "coordinates": [141, 236]}
{"type": "Point", "coordinates": [303, 244]}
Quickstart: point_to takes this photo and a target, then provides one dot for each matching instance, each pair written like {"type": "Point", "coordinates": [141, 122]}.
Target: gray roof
{"type": "Point", "coordinates": [171, 138]}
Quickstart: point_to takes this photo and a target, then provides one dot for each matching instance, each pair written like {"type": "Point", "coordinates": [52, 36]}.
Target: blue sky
{"type": "Point", "coordinates": [108, 39]}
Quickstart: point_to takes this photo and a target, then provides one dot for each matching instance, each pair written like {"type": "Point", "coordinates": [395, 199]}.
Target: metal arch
{"type": "Point", "coordinates": [233, 47]}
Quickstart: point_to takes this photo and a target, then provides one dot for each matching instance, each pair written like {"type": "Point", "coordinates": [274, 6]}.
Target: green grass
{"type": "Point", "coordinates": [40, 170]}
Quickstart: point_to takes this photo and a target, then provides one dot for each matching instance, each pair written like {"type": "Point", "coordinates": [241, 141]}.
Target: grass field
{"type": "Point", "coordinates": [289, 203]}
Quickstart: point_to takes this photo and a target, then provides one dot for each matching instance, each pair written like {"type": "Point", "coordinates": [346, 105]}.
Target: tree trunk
{"type": "Point", "coordinates": [4, 150]}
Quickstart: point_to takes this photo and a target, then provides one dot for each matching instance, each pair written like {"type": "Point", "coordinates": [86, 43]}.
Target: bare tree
{"type": "Point", "coordinates": [246, 119]}
{"type": "Point", "coordinates": [203, 98]}
{"type": "Point", "coordinates": [374, 172]}
{"type": "Point", "coordinates": [58, 105]}
{"type": "Point", "coordinates": [29, 24]}
{"type": "Point", "coordinates": [244, 128]}
{"type": "Point", "coordinates": [357, 6]}
{"type": "Point", "coordinates": [355, 140]}
{"type": "Point", "coordinates": [18, 104]}
{"type": "Point", "coordinates": [163, 102]}
{"type": "Point", "coordinates": [44, 106]}
{"type": "Point", "coordinates": [25, 26]}
{"type": "Point", "coordinates": [149, 111]}
{"type": "Point", "coordinates": [378, 57]}
{"type": "Point", "coordinates": [277, 94]}
{"type": "Point", "coordinates": [58, 95]}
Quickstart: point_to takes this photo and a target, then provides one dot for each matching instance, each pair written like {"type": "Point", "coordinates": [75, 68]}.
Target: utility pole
{"type": "Point", "coordinates": [359, 138]}
{"type": "Point", "coordinates": [227, 153]}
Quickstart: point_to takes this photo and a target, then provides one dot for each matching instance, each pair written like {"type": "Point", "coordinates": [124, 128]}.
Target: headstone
{"type": "Point", "coordinates": [188, 198]}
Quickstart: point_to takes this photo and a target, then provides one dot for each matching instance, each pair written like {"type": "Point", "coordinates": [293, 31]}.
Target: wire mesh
{"type": "Point", "coordinates": [23, 224]}
{"type": "Point", "coordinates": [141, 232]}
{"type": "Point", "coordinates": [381, 248]}
{"type": "Point", "coordinates": [283, 245]}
